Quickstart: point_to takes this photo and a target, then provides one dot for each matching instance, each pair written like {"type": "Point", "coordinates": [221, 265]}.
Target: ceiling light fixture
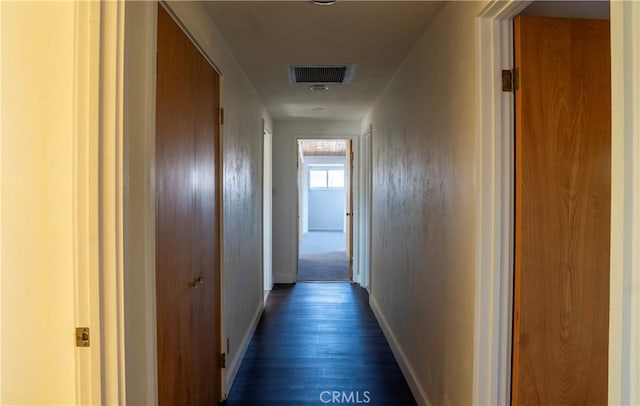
{"type": "Point", "coordinates": [323, 2]}
{"type": "Point", "coordinates": [319, 88]}
{"type": "Point", "coordinates": [317, 109]}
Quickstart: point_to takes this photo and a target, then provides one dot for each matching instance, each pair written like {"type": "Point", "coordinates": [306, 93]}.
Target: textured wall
{"type": "Point", "coordinates": [424, 204]}
{"type": "Point", "coordinates": [242, 206]}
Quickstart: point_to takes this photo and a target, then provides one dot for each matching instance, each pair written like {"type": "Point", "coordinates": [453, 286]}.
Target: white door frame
{"type": "Point", "coordinates": [494, 238]}
{"type": "Point", "coordinates": [110, 333]}
{"type": "Point", "coordinates": [126, 336]}
{"type": "Point", "coordinates": [267, 210]}
{"type": "Point", "coordinates": [624, 315]}
{"type": "Point", "coordinates": [494, 235]}
{"type": "Point", "coordinates": [364, 210]}
{"type": "Point", "coordinates": [85, 191]}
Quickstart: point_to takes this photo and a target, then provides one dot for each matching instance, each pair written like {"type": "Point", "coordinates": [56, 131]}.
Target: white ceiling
{"type": "Point", "coordinates": [268, 36]}
{"type": "Point", "coordinates": [596, 9]}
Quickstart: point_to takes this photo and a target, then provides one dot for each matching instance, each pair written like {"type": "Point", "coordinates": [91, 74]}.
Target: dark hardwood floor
{"type": "Point", "coordinates": [319, 343]}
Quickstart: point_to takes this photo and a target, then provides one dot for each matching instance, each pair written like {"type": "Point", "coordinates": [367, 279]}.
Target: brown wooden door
{"type": "Point", "coordinates": [563, 149]}
{"type": "Point", "coordinates": [187, 221]}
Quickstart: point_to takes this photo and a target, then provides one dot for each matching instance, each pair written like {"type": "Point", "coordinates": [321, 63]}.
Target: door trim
{"type": "Point", "coordinates": [267, 211]}
{"type": "Point", "coordinates": [494, 214]}
{"type": "Point", "coordinates": [363, 276]}
{"type": "Point", "coordinates": [86, 140]}
{"type": "Point", "coordinates": [111, 202]}
{"type": "Point", "coordinates": [624, 315]}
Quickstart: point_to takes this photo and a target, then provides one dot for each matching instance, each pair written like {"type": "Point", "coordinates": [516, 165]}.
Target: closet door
{"type": "Point", "coordinates": [187, 221]}
{"type": "Point", "coordinates": [563, 194]}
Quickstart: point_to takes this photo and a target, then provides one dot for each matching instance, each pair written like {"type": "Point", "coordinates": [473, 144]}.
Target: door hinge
{"type": "Point", "coordinates": [221, 116]}
{"type": "Point", "coordinates": [82, 337]}
{"type": "Point", "coordinates": [223, 360]}
{"type": "Point", "coordinates": [510, 80]}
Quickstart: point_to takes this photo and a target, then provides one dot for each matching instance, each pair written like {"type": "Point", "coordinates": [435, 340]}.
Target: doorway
{"type": "Point", "coordinates": [325, 201]}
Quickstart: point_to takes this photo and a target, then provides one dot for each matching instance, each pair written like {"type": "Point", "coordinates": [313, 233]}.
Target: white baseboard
{"type": "Point", "coordinates": [234, 365]}
{"type": "Point", "coordinates": [409, 374]}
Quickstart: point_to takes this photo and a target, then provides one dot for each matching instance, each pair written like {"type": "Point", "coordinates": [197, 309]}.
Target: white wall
{"type": "Point", "coordinates": [423, 215]}
{"type": "Point", "coordinates": [285, 150]}
{"type": "Point", "coordinates": [37, 241]}
{"type": "Point", "coordinates": [332, 195]}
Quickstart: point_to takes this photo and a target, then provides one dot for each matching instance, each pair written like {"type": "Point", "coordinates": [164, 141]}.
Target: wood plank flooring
{"type": "Point", "coordinates": [319, 343]}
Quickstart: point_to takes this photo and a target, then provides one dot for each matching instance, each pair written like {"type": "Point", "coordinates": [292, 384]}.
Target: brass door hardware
{"type": "Point", "coordinates": [82, 337]}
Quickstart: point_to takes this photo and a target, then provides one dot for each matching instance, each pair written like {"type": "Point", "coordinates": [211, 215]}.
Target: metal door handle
{"type": "Point", "coordinates": [199, 281]}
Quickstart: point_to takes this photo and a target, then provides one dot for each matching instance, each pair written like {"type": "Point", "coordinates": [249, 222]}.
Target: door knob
{"type": "Point", "coordinates": [199, 281]}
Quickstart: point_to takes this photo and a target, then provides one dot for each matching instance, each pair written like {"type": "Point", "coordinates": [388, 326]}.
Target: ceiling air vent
{"type": "Point", "coordinates": [320, 74]}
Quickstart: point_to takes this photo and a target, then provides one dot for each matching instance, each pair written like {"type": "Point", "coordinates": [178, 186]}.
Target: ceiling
{"type": "Point", "coordinates": [324, 147]}
{"type": "Point", "coordinates": [268, 36]}
{"type": "Point", "coordinates": [569, 9]}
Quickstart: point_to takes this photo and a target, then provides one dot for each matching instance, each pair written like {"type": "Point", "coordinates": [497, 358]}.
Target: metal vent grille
{"type": "Point", "coordinates": [320, 74]}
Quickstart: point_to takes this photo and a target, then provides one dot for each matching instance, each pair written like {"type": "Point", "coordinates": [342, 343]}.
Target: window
{"type": "Point", "coordinates": [335, 178]}
{"type": "Point", "coordinates": [326, 178]}
{"type": "Point", "coordinates": [317, 179]}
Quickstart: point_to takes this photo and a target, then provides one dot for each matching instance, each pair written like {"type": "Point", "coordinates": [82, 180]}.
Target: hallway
{"type": "Point", "coordinates": [316, 341]}
{"type": "Point", "coordinates": [435, 174]}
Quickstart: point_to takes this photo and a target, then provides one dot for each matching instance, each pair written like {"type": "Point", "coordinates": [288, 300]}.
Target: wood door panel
{"type": "Point", "coordinates": [187, 221]}
{"type": "Point", "coordinates": [174, 152]}
{"type": "Point", "coordinates": [563, 147]}
{"type": "Point", "coordinates": [206, 229]}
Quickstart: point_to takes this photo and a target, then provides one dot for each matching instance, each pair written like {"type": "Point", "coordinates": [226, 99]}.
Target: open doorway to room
{"type": "Point", "coordinates": [325, 226]}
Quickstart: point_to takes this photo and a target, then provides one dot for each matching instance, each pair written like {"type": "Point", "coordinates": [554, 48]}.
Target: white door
{"type": "Point", "coordinates": [44, 264]}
